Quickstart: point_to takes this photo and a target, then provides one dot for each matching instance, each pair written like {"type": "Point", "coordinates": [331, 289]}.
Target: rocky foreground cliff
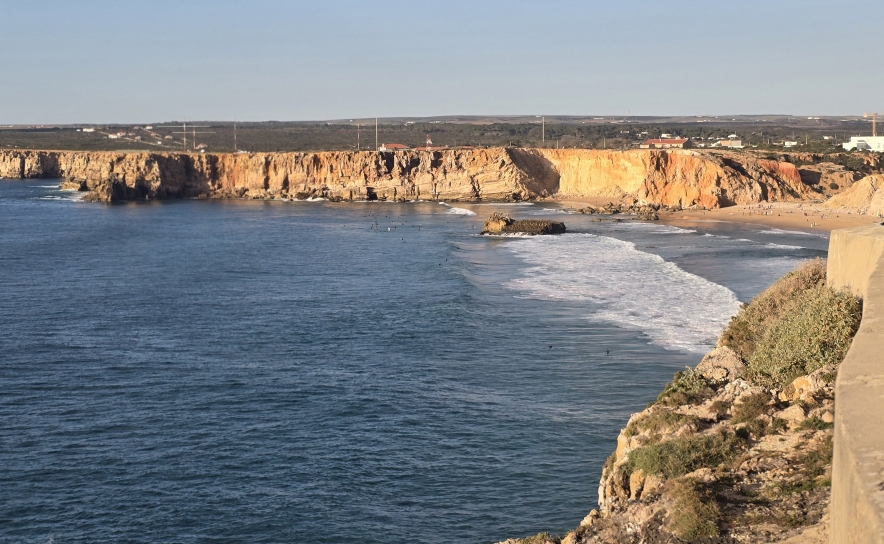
{"type": "Point", "coordinates": [738, 449]}
{"type": "Point", "coordinates": [682, 178]}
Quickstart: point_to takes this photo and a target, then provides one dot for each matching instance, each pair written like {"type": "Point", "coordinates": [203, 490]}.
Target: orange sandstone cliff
{"type": "Point", "coordinates": [672, 177]}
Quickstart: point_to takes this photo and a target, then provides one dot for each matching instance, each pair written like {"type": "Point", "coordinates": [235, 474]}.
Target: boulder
{"type": "Point", "coordinates": [721, 364]}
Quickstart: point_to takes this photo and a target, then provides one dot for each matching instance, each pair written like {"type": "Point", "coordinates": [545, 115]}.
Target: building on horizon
{"type": "Point", "coordinates": [865, 143]}
{"type": "Point", "coordinates": [666, 143]}
{"type": "Point", "coordinates": [393, 147]}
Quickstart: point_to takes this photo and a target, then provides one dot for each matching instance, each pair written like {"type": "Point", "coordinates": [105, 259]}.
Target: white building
{"type": "Point", "coordinates": [865, 143]}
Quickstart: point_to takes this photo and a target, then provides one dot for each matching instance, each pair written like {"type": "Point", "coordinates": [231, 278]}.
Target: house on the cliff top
{"type": "Point", "coordinates": [666, 143]}
{"type": "Point", "coordinates": [393, 147]}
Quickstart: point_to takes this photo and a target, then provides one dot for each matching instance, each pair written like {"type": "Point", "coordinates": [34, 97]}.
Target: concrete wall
{"type": "Point", "coordinates": [856, 262]}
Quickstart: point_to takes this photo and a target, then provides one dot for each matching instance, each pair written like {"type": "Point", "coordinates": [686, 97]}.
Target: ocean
{"type": "Point", "coordinates": [266, 371]}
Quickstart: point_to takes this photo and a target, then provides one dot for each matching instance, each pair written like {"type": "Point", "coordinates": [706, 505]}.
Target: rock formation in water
{"type": "Point", "coordinates": [680, 178]}
{"type": "Point", "coordinates": [500, 223]}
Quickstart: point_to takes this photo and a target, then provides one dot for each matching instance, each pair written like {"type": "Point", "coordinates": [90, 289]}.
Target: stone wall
{"type": "Point", "coordinates": [856, 262]}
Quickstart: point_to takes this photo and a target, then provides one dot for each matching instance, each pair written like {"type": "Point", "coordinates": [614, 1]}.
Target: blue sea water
{"type": "Point", "coordinates": [265, 371]}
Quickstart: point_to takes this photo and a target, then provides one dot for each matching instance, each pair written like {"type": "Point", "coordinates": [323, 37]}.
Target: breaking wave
{"type": "Point", "coordinates": [458, 211]}
{"type": "Point", "coordinates": [632, 289]}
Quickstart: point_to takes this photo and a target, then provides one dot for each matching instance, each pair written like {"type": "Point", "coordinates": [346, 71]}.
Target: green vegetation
{"type": "Point", "coordinates": [754, 319]}
{"type": "Point", "coordinates": [478, 131]}
{"type": "Point", "coordinates": [795, 327]}
{"type": "Point", "coordinates": [687, 386]}
{"type": "Point", "coordinates": [694, 514]}
{"type": "Point", "coordinates": [815, 331]}
{"type": "Point", "coordinates": [659, 421]}
{"type": "Point", "coordinates": [679, 456]}
{"type": "Point", "coordinates": [815, 424]}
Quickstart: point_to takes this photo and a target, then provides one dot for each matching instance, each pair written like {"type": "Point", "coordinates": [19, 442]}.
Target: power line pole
{"type": "Point", "coordinates": [375, 133]}
{"type": "Point", "coordinates": [543, 129]}
{"type": "Point", "coordinates": [234, 136]}
{"type": "Point", "coordinates": [357, 136]}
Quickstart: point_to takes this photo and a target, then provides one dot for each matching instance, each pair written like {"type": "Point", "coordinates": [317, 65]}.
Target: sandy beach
{"type": "Point", "coordinates": [808, 216]}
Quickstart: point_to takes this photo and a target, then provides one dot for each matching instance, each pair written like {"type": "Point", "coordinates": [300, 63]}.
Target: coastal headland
{"type": "Point", "coordinates": [679, 178]}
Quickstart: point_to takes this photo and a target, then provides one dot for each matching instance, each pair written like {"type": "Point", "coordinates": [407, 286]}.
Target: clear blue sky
{"type": "Point", "coordinates": [102, 61]}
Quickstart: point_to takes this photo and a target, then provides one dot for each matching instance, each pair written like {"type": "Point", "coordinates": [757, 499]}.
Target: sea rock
{"type": "Point", "coordinates": [500, 223]}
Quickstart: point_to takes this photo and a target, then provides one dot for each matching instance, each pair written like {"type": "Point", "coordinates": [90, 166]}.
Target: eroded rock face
{"type": "Point", "coordinates": [676, 178]}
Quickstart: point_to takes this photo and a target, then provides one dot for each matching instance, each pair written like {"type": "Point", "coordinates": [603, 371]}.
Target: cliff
{"type": "Point", "coordinates": [738, 449]}
{"type": "Point", "coordinates": [669, 177]}
{"type": "Point", "coordinates": [866, 196]}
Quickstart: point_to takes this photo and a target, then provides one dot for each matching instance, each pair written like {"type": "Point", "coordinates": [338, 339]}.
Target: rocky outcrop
{"type": "Point", "coordinates": [500, 223]}
{"type": "Point", "coordinates": [866, 196]}
{"type": "Point", "coordinates": [674, 178]}
{"type": "Point", "coordinates": [679, 178]}
{"type": "Point", "coordinates": [724, 455]}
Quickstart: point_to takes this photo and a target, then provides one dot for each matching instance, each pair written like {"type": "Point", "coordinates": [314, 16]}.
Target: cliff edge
{"type": "Point", "coordinates": [738, 449]}
{"type": "Point", "coordinates": [681, 178]}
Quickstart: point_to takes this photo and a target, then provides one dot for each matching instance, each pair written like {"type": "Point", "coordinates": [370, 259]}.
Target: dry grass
{"type": "Point", "coordinates": [659, 422]}
{"type": "Point", "coordinates": [687, 386]}
{"type": "Point", "coordinates": [694, 514]}
{"type": "Point", "coordinates": [814, 331]}
{"type": "Point", "coordinates": [748, 327]}
{"type": "Point", "coordinates": [679, 456]}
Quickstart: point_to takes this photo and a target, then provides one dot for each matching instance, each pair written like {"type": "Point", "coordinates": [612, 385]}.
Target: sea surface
{"type": "Point", "coordinates": [266, 371]}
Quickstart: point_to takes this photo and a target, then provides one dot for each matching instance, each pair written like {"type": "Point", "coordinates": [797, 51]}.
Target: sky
{"type": "Point", "coordinates": [139, 61]}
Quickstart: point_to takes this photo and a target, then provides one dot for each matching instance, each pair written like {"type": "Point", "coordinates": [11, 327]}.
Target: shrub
{"type": "Point", "coordinates": [815, 331]}
{"type": "Point", "coordinates": [694, 515]}
{"type": "Point", "coordinates": [659, 421]}
{"type": "Point", "coordinates": [833, 186]}
{"type": "Point", "coordinates": [679, 456]}
{"type": "Point", "coordinates": [687, 386]}
{"type": "Point", "coordinates": [747, 328]}
{"type": "Point", "coordinates": [815, 424]}
{"type": "Point", "coordinates": [748, 412]}
{"type": "Point", "coordinates": [749, 408]}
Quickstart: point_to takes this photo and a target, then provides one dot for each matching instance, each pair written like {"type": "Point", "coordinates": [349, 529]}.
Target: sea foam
{"type": "Point", "coordinates": [632, 289]}
{"type": "Point", "coordinates": [458, 211]}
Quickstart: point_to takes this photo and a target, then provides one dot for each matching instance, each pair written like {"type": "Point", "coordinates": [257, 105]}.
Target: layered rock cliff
{"type": "Point", "coordinates": [671, 177]}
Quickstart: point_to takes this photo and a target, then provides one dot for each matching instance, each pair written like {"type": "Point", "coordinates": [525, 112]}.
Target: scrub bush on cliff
{"type": "Point", "coordinates": [749, 326]}
{"type": "Point", "coordinates": [816, 331]}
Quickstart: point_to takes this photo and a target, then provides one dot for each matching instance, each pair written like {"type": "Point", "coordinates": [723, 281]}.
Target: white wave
{"type": "Point", "coordinates": [795, 233]}
{"type": "Point", "coordinates": [655, 228]}
{"type": "Point", "coordinates": [316, 199]}
{"type": "Point", "coordinates": [635, 290]}
{"type": "Point", "coordinates": [783, 246]}
{"type": "Point", "coordinates": [458, 211]}
{"type": "Point", "coordinates": [504, 204]}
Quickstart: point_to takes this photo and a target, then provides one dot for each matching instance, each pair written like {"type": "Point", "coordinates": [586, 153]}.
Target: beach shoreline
{"type": "Point", "coordinates": [806, 216]}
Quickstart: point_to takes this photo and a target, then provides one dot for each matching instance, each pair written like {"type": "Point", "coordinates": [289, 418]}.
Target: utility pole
{"type": "Point", "coordinates": [543, 129]}
{"type": "Point", "coordinates": [357, 136]}
{"type": "Point", "coordinates": [376, 147]}
{"type": "Point", "coordinates": [193, 128]}
{"type": "Point", "coordinates": [234, 136]}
